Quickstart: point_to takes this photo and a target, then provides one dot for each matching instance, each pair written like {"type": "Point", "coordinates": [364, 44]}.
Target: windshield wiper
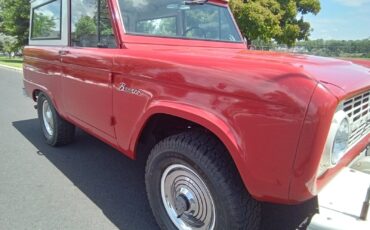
{"type": "Point", "coordinates": [195, 2]}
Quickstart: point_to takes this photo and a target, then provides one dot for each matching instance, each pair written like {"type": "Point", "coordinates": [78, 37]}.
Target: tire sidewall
{"type": "Point", "coordinates": [50, 139]}
{"type": "Point", "coordinates": [155, 170]}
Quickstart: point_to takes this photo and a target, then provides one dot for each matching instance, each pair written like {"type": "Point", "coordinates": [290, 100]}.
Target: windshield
{"type": "Point", "coordinates": [175, 18]}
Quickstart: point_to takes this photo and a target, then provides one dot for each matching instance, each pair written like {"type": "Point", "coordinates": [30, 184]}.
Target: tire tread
{"type": "Point", "coordinates": [215, 159]}
{"type": "Point", "coordinates": [64, 131]}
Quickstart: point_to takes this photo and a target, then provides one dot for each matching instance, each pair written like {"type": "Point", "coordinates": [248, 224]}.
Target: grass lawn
{"type": "Point", "coordinates": [13, 62]}
{"type": "Point", "coordinates": [362, 58]}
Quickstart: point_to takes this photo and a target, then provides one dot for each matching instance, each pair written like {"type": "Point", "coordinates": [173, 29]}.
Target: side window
{"type": "Point", "coordinates": [227, 33]}
{"type": "Point", "coordinates": [210, 22]}
{"type": "Point", "coordinates": [46, 21]}
{"type": "Point", "coordinates": [202, 22]}
{"type": "Point", "coordinates": [91, 24]}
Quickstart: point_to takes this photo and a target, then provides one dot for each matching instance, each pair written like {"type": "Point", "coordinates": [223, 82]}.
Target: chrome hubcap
{"type": "Point", "coordinates": [47, 116]}
{"type": "Point", "coordinates": [186, 198]}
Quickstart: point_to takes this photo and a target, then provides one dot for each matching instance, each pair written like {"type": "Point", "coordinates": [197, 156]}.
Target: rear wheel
{"type": "Point", "coordinates": [56, 130]}
{"type": "Point", "coordinates": [193, 184]}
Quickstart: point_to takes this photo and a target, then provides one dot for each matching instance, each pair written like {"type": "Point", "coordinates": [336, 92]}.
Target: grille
{"type": "Point", "coordinates": [358, 112]}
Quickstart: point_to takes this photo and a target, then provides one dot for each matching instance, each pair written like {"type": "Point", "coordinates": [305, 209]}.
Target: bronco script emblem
{"type": "Point", "coordinates": [124, 88]}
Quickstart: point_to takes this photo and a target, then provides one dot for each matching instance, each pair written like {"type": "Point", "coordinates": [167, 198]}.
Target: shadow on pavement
{"type": "Point", "coordinates": [112, 181]}
{"type": "Point", "coordinates": [116, 184]}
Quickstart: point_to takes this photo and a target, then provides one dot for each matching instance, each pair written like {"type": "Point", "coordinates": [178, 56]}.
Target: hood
{"type": "Point", "coordinates": [350, 76]}
{"type": "Point", "coordinates": [252, 72]}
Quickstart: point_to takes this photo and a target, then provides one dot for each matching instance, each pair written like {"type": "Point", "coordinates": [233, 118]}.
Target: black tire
{"type": "Point", "coordinates": [205, 155]}
{"type": "Point", "coordinates": [63, 131]}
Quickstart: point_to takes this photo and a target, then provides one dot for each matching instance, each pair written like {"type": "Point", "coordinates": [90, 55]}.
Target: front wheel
{"type": "Point", "coordinates": [193, 184]}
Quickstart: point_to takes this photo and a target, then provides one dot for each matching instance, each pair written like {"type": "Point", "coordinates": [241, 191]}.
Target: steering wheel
{"type": "Point", "coordinates": [202, 31]}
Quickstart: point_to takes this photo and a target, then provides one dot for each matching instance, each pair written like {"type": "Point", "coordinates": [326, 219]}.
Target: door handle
{"type": "Point", "coordinates": [64, 52]}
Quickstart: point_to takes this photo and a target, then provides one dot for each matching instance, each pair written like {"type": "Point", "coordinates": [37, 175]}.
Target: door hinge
{"type": "Point", "coordinates": [112, 121]}
{"type": "Point", "coordinates": [111, 77]}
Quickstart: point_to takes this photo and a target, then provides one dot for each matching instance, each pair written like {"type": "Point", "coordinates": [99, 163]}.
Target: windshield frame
{"type": "Point", "coordinates": [129, 36]}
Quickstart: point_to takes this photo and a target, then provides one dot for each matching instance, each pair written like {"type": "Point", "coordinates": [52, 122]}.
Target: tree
{"type": "Point", "coordinates": [43, 25]}
{"type": "Point", "coordinates": [274, 19]}
{"type": "Point", "coordinates": [335, 48]}
{"type": "Point", "coordinates": [15, 19]}
{"type": "Point", "coordinates": [1, 21]}
{"type": "Point", "coordinates": [8, 44]}
{"type": "Point", "coordinates": [105, 25]}
{"type": "Point", "coordinates": [85, 27]}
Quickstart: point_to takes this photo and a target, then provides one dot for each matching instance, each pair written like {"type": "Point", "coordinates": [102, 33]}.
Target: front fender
{"type": "Point", "coordinates": [217, 125]}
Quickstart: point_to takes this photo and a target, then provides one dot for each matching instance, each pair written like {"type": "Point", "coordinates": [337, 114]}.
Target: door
{"type": "Point", "coordinates": [87, 65]}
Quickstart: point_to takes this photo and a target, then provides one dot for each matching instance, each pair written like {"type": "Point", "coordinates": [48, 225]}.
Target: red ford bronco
{"type": "Point", "coordinates": [224, 128]}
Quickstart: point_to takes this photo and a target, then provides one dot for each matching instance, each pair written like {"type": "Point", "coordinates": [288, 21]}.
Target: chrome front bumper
{"type": "Point", "coordinates": [342, 199]}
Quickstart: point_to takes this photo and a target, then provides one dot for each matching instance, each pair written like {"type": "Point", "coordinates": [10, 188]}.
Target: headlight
{"type": "Point", "coordinates": [340, 142]}
{"type": "Point", "coordinates": [337, 143]}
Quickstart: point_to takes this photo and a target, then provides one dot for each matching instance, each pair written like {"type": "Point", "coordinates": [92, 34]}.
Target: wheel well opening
{"type": "Point", "coordinates": [161, 126]}
{"type": "Point", "coordinates": [35, 94]}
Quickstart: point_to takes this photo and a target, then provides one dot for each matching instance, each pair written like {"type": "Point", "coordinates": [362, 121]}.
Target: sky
{"type": "Point", "coordinates": [341, 20]}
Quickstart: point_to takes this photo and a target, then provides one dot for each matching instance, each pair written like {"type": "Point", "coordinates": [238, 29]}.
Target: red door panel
{"type": "Point", "coordinates": [87, 88]}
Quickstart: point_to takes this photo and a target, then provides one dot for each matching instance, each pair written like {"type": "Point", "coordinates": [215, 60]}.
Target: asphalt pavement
{"type": "Point", "coordinates": [85, 185]}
